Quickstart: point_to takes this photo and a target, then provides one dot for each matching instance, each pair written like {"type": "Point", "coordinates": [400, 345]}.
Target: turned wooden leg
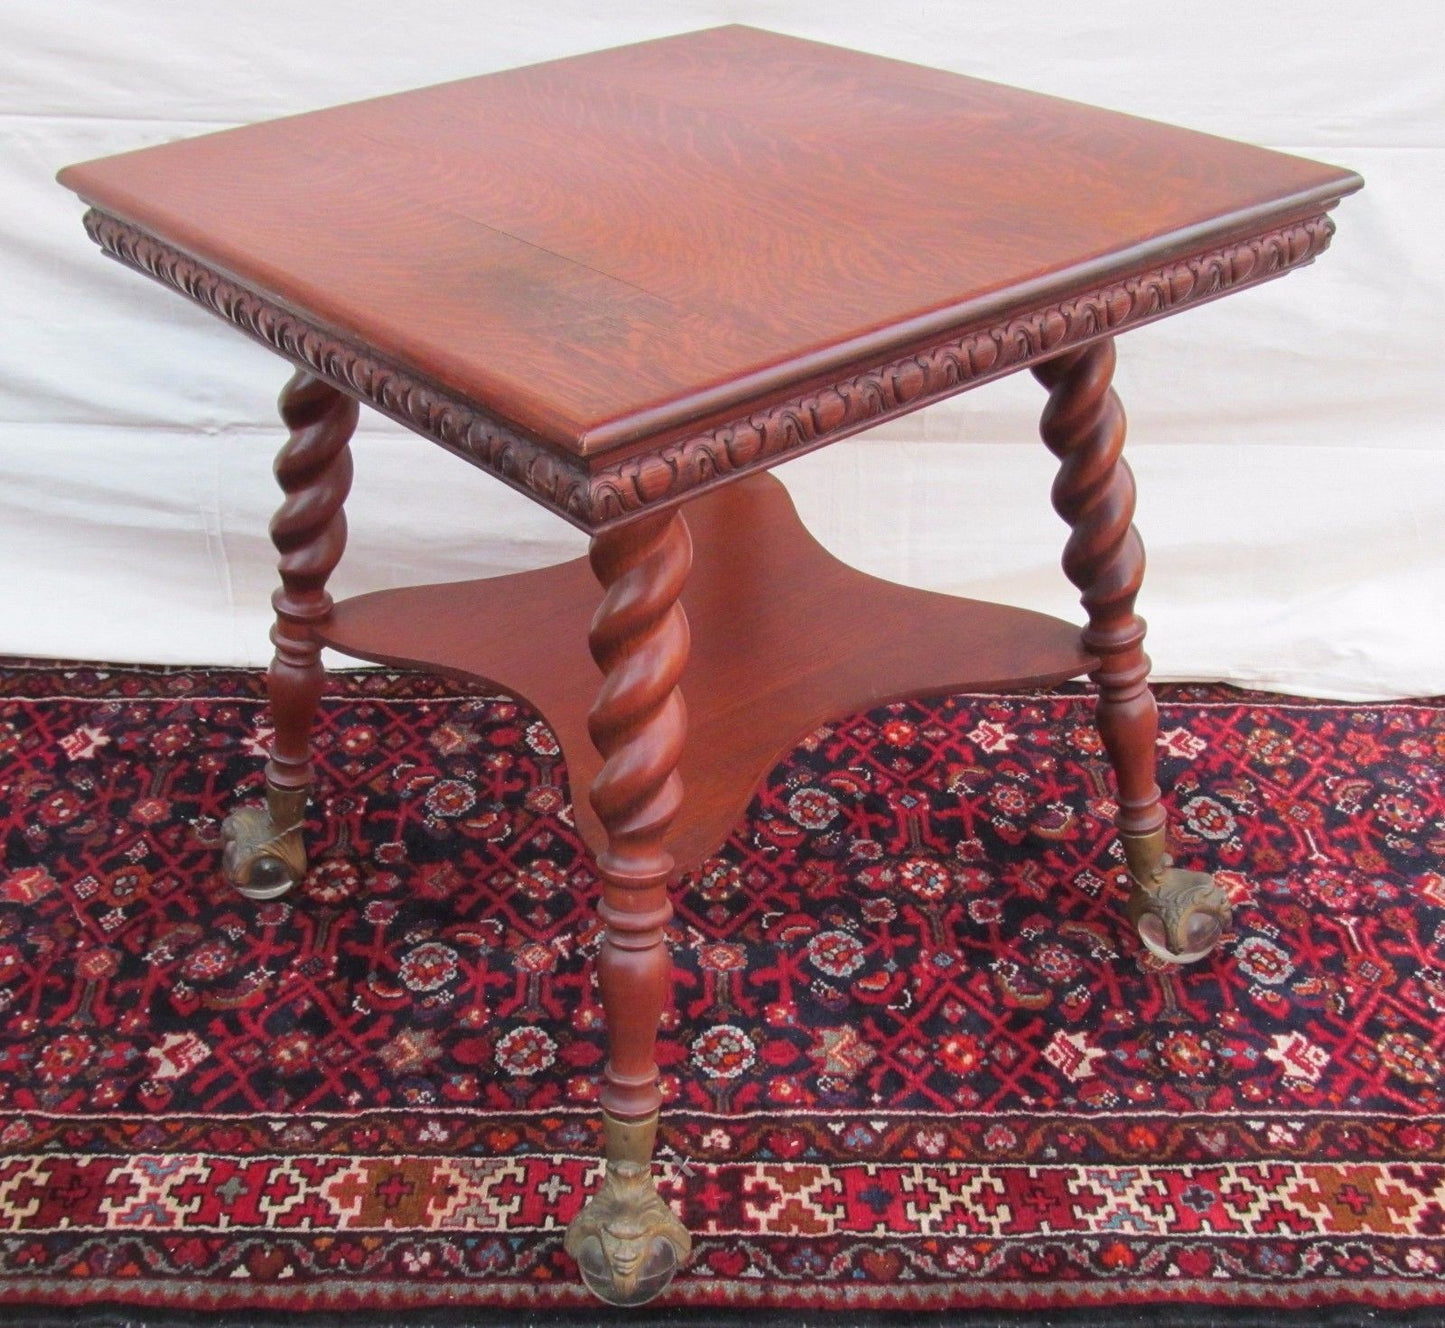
{"type": "Point", "coordinates": [627, 1241]}
{"type": "Point", "coordinates": [1180, 915]}
{"type": "Point", "coordinates": [264, 854]}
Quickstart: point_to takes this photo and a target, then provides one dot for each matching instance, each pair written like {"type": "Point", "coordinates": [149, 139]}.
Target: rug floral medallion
{"type": "Point", "coordinates": [915, 1057]}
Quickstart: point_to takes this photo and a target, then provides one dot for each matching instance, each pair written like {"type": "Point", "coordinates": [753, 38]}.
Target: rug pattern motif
{"type": "Point", "coordinates": [915, 1056]}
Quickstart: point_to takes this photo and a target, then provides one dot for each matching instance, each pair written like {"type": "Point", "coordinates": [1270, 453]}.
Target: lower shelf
{"type": "Point", "coordinates": [784, 638]}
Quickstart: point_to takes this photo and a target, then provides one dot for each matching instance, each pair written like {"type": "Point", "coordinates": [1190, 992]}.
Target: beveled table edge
{"type": "Point", "coordinates": [601, 491]}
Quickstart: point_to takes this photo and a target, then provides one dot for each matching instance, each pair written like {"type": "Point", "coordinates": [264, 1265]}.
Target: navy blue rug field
{"type": "Point", "coordinates": [915, 1061]}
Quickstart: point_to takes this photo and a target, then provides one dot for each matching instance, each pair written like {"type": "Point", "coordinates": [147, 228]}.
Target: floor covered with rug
{"type": "Point", "coordinates": [916, 1060]}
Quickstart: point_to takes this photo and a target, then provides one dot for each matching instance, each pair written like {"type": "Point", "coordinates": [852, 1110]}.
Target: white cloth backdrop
{"type": "Point", "coordinates": [1286, 440]}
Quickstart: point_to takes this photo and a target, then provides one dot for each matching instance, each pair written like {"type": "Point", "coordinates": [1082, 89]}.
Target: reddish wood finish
{"type": "Point", "coordinates": [606, 251]}
{"type": "Point", "coordinates": [1083, 425]}
{"type": "Point", "coordinates": [639, 639]}
{"type": "Point", "coordinates": [309, 531]}
{"type": "Point", "coordinates": [784, 638]}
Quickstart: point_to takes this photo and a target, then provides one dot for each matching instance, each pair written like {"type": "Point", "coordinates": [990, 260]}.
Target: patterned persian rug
{"type": "Point", "coordinates": [916, 1061]}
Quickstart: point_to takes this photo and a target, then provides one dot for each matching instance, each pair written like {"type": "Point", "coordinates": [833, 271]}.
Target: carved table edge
{"type": "Point", "coordinates": [597, 496]}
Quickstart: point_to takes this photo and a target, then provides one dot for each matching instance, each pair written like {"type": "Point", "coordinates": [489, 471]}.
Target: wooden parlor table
{"type": "Point", "coordinates": [627, 284]}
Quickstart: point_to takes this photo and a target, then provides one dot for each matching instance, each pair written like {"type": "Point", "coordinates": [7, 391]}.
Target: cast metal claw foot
{"type": "Point", "coordinates": [1180, 915]}
{"type": "Point", "coordinates": [264, 854]}
{"type": "Point", "coordinates": [627, 1241]}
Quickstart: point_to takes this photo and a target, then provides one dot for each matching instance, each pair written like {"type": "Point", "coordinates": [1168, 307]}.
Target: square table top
{"type": "Point", "coordinates": [595, 258]}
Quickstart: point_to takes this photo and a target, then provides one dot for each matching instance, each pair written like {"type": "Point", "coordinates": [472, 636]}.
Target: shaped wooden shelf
{"type": "Point", "coordinates": [784, 638]}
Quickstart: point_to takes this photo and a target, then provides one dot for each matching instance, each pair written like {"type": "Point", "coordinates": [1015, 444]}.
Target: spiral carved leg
{"type": "Point", "coordinates": [1180, 915]}
{"type": "Point", "coordinates": [626, 1240]}
{"type": "Point", "coordinates": [264, 855]}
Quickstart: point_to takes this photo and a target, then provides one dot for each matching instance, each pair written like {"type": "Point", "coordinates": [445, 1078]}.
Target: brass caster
{"type": "Point", "coordinates": [1180, 916]}
{"type": "Point", "coordinates": [264, 861]}
{"type": "Point", "coordinates": [627, 1241]}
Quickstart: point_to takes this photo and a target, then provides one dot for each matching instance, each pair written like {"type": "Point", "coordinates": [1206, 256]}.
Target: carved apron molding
{"type": "Point", "coordinates": [600, 494]}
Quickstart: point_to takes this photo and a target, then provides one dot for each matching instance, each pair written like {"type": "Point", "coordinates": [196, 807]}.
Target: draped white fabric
{"type": "Point", "coordinates": [1286, 440]}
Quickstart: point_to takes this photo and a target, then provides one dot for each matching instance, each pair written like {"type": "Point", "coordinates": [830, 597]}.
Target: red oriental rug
{"type": "Point", "coordinates": [917, 1060]}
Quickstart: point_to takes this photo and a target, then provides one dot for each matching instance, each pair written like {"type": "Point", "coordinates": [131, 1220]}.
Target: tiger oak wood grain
{"type": "Point", "coordinates": [784, 638]}
{"type": "Point", "coordinates": [609, 249]}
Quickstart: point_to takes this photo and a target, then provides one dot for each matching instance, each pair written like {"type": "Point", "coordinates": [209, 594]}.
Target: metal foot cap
{"type": "Point", "coordinates": [261, 861]}
{"type": "Point", "coordinates": [627, 1242]}
{"type": "Point", "coordinates": [1181, 916]}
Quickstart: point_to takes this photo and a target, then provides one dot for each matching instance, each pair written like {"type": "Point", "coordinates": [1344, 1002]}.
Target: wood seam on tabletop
{"type": "Point", "coordinates": [601, 494]}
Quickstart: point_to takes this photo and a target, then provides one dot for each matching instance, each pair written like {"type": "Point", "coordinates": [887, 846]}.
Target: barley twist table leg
{"type": "Point", "coordinates": [1180, 915]}
{"type": "Point", "coordinates": [264, 855]}
{"type": "Point", "coordinates": [626, 1240]}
